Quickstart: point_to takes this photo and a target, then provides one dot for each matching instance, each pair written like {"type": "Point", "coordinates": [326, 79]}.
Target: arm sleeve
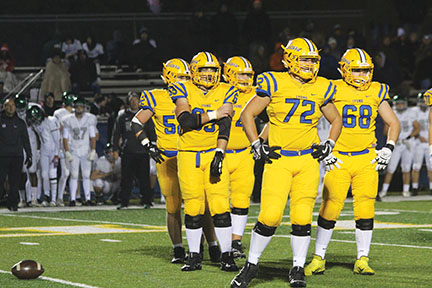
{"type": "Point", "coordinates": [116, 134]}
{"type": "Point", "coordinates": [224, 128]}
{"type": "Point", "coordinates": [189, 121]}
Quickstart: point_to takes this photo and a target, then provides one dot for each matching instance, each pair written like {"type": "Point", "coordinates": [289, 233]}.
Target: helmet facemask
{"type": "Point", "coordinates": [359, 77]}
{"type": "Point", "coordinates": [207, 76]}
{"type": "Point", "coordinates": [305, 66]}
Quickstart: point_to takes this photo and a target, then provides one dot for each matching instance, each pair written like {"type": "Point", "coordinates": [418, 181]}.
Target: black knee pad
{"type": "Point", "coordinates": [325, 223]}
{"type": "Point", "coordinates": [193, 222]}
{"type": "Point", "coordinates": [222, 220]}
{"type": "Point", "coordinates": [301, 230]}
{"type": "Point", "coordinates": [365, 224]}
{"type": "Point", "coordinates": [264, 230]}
{"type": "Point", "coordinates": [240, 211]}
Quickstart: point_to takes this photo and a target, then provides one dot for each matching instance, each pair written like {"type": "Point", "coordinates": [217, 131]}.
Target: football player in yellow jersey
{"type": "Point", "coordinates": [427, 97]}
{"type": "Point", "coordinates": [157, 105]}
{"type": "Point", "coordinates": [294, 101]}
{"type": "Point", "coordinates": [238, 72]}
{"type": "Point", "coordinates": [359, 101]}
{"type": "Point", "coordinates": [201, 147]}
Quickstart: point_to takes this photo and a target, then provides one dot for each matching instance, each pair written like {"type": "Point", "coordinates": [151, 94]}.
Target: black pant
{"type": "Point", "coordinates": [135, 166]}
{"type": "Point", "coordinates": [11, 167]}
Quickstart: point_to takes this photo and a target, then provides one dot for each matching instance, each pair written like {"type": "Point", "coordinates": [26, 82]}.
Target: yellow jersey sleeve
{"type": "Point", "coordinates": [147, 100]}
{"type": "Point", "coordinates": [177, 90]}
{"type": "Point", "coordinates": [427, 97]}
{"type": "Point", "coordinates": [384, 92]}
{"type": "Point", "coordinates": [231, 95]}
{"type": "Point", "coordinates": [266, 84]}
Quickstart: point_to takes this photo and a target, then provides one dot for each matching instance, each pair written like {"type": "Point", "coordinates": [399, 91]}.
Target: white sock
{"type": "Point", "coordinates": [299, 245]}
{"type": "Point", "coordinates": [430, 185]}
{"type": "Point", "coordinates": [61, 187]}
{"type": "Point", "coordinates": [73, 185]}
{"type": "Point", "coordinates": [363, 240]}
{"type": "Point", "coordinates": [257, 246]}
{"type": "Point", "coordinates": [322, 241]}
{"type": "Point", "coordinates": [238, 223]}
{"type": "Point", "coordinates": [385, 187]}
{"type": "Point", "coordinates": [212, 243]}
{"type": "Point", "coordinates": [193, 237]}
{"type": "Point", "coordinates": [53, 190]}
{"type": "Point", "coordinates": [46, 186]}
{"type": "Point", "coordinates": [39, 186]}
{"type": "Point", "coordinates": [224, 236]}
{"type": "Point", "coordinates": [22, 195]}
{"type": "Point", "coordinates": [406, 187]}
{"type": "Point", "coordinates": [29, 194]}
{"type": "Point", "coordinates": [177, 245]}
{"type": "Point", "coordinates": [415, 185]}
{"type": "Point", "coordinates": [33, 193]}
{"type": "Point", "coordinates": [86, 187]}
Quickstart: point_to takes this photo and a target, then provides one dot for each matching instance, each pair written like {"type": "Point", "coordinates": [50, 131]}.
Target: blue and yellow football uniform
{"type": "Point", "coordinates": [238, 157]}
{"type": "Point", "coordinates": [166, 127]}
{"type": "Point", "coordinates": [356, 148]}
{"type": "Point", "coordinates": [196, 150]}
{"type": "Point", "coordinates": [294, 111]}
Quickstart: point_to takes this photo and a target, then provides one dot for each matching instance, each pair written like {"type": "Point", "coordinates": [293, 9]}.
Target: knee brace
{"type": "Point", "coordinates": [325, 223]}
{"type": "Point", "coordinates": [240, 211]}
{"type": "Point", "coordinates": [365, 224]}
{"type": "Point", "coordinates": [193, 222]}
{"type": "Point", "coordinates": [222, 220]}
{"type": "Point", "coordinates": [264, 230]}
{"type": "Point", "coordinates": [301, 230]}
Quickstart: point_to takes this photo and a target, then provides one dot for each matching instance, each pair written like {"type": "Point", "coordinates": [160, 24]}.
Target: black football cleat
{"type": "Point", "coordinates": [414, 191]}
{"type": "Point", "coordinates": [89, 203]}
{"type": "Point", "coordinates": [247, 273]}
{"type": "Point", "coordinates": [179, 255]}
{"type": "Point", "coordinates": [193, 262]}
{"type": "Point", "coordinates": [215, 254]}
{"type": "Point", "coordinates": [227, 262]}
{"type": "Point", "coordinates": [296, 277]}
{"type": "Point", "coordinates": [72, 203]}
{"type": "Point", "coordinates": [237, 249]}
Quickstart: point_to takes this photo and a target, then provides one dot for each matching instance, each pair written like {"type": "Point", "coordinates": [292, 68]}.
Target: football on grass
{"type": "Point", "coordinates": [27, 269]}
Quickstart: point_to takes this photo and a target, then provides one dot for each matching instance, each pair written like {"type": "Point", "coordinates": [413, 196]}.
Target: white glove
{"type": "Point", "coordinates": [92, 155]}
{"type": "Point", "coordinates": [332, 161]}
{"type": "Point", "coordinates": [69, 156]}
{"type": "Point", "coordinates": [383, 156]}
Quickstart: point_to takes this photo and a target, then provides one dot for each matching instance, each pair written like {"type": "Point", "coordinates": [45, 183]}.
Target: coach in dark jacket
{"type": "Point", "coordinates": [13, 139]}
{"type": "Point", "coordinates": [134, 159]}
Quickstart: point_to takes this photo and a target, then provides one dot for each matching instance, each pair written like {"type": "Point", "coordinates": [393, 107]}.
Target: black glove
{"type": "Point", "coordinates": [262, 150]}
{"type": "Point", "coordinates": [323, 149]}
{"type": "Point", "coordinates": [28, 162]}
{"type": "Point", "coordinates": [154, 152]}
{"type": "Point", "coordinates": [216, 164]}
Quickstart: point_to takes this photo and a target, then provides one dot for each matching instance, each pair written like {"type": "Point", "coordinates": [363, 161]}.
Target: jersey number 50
{"type": "Point", "coordinates": [350, 121]}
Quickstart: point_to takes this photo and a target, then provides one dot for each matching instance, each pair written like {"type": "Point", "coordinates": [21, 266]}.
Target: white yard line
{"type": "Point", "coordinates": [76, 220]}
{"type": "Point", "coordinates": [59, 281]}
{"type": "Point", "coordinates": [373, 243]}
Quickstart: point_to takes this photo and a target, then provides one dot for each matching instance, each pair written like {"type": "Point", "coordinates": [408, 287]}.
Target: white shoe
{"type": "Point", "coordinates": [60, 203]}
{"type": "Point", "coordinates": [382, 194]}
{"type": "Point", "coordinates": [406, 194]}
{"type": "Point", "coordinates": [52, 204]}
{"type": "Point", "coordinates": [45, 203]}
{"type": "Point", "coordinates": [35, 203]}
{"type": "Point", "coordinates": [21, 204]}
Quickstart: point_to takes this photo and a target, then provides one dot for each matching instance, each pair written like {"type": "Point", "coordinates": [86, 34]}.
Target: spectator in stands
{"type": "Point", "coordinates": [333, 48]}
{"type": "Point", "coordinates": [406, 46]}
{"type": "Point", "coordinates": [388, 47]}
{"type": "Point", "coordinates": [7, 61]}
{"type": "Point", "coordinates": [225, 32]}
{"type": "Point", "coordinates": [70, 48]}
{"type": "Point", "coordinates": [51, 47]}
{"type": "Point", "coordinates": [49, 104]}
{"type": "Point", "coordinates": [95, 51]}
{"type": "Point", "coordinates": [7, 78]}
{"type": "Point", "coordinates": [56, 78]}
{"type": "Point", "coordinates": [276, 58]}
{"type": "Point", "coordinates": [83, 74]}
{"type": "Point", "coordinates": [257, 28]}
{"type": "Point", "coordinates": [145, 53]}
{"type": "Point", "coordinates": [98, 104]}
{"type": "Point", "coordinates": [117, 50]}
{"type": "Point", "coordinates": [199, 30]}
{"type": "Point", "coordinates": [423, 73]}
{"type": "Point", "coordinates": [260, 60]}
{"type": "Point", "coordinates": [309, 30]}
{"type": "Point", "coordinates": [285, 35]}
{"type": "Point", "coordinates": [329, 64]}
{"type": "Point", "coordinates": [387, 72]}
{"type": "Point", "coordinates": [340, 38]}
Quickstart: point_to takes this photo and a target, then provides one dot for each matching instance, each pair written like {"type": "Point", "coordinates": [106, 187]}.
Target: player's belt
{"type": "Point", "coordinates": [170, 153]}
{"type": "Point", "coordinates": [235, 150]}
{"type": "Point", "coordinates": [198, 155]}
{"type": "Point", "coordinates": [290, 153]}
{"type": "Point", "coordinates": [366, 151]}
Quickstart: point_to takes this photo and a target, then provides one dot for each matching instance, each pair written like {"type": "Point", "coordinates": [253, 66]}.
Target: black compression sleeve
{"type": "Point", "coordinates": [224, 128]}
{"type": "Point", "coordinates": [261, 94]}
{"type": "Point", "coordinates": [189, 121]}
{"type": "Point", "coordinates": [136, 128]}
{"type": "Point", "coordinates": [264, 116]}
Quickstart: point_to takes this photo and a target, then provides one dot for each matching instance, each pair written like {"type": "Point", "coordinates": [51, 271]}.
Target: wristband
{"type": "Point", "coordinates": [220, 150]}
{"type": "Point", "coordinates": [390, 144]}
{"type": "Point", "coordinates": [145, 141]}
{"type": "Point", "coordinates": [331, 142]}
{"type": "Point", "coordinates": [212, 115]}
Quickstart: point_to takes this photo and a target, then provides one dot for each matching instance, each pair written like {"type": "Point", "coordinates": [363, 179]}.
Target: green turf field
{"type": "Point", "coordinates": [69, 246]}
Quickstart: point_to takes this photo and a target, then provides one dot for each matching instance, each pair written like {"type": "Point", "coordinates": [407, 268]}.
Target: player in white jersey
{"type": "Point", "coordinates": [31, 184]}
{"type": "Point", "coordinates": [323, 128]}
{"type": "Point", "coordinates": [106, 174]}
{"type": "Point", "coordinates": [48, 130]}
{"type": "Point", "coordinates": [404, 147]}
{"type": "Point", "coordinates": [79, 138]}
{"type": "Point", "coordinates": [68, 99]}
{"type": "Point", "coordinates": [422, 148]}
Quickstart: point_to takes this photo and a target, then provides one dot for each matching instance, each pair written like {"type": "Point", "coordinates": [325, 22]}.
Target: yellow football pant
{"type": "Point", "coordinates": [296, 176]}
{"type": "Point", "coordinates": [196, 185]}
{"type": "Point", "coordinates": [242, 178]}
{"type": "Point", "coordinates": [169, 184]}
{"type": "Point", "coordinates": [358, 172]}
